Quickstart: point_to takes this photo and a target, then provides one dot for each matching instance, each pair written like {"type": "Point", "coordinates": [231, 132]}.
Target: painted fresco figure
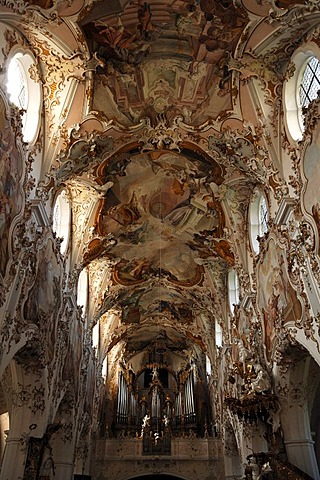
{"type": "Point", "coordinates": [10, 175]}
{"type": "Point", "coordinates": [145, 25]}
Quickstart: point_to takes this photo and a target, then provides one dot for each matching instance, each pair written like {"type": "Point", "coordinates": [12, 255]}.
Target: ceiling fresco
{"type": "Point", "coordinates": [159, 211]}
{"type": "Point", "coordinates": [162, 165]}
{"type": "Point", "coordinates": [165, 222]}
{"type": "Point", "coordinates": [155, 55]}
{"type": "Point", "coordinates": [159, 221]}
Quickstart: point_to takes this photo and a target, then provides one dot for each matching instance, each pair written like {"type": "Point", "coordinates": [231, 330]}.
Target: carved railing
{"type": "Point", "coordinates": [286, 471]}
{"type": "Point", "coordinates": [273, 467]}
{"type": "Point", "coordinates": [253, 407]}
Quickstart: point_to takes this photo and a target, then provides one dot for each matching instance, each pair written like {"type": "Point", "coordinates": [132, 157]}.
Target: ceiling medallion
{"type": "Point", "coordinates": [162, 135]}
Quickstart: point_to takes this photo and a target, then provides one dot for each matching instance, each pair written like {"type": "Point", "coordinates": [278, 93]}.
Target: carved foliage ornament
{"type": "Point", "coordinates": [82, 153]}
{"type": "Point", "coordinates": [242, 152]}
{"type": "Point", "coordinates": [161, 136]}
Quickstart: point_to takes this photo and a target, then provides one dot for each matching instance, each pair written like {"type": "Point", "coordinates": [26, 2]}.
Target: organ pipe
{"type": "Point", "coordinates": [178, 405]}
{"type": "Point", "coordinates": [122, 403]}
{"type": "Point", "coordinates": [133, 405]}
{"type": "Point", "coordinates": [192, 392]}
{"type": "Point", "coordinates": [189, 397]}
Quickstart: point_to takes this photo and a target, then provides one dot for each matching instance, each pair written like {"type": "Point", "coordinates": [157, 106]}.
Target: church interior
{"type": "Point", "coordinates": [159, 239]}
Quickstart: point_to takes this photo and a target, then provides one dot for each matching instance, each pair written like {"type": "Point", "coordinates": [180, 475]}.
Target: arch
{"type": "Point", "coordinates": [27, 415]}
{"type": "Point", "coordinates": [158, 476]}
{"type": "Point", "coordinates": [232, 461]}
{"type": "Point", "coordinates": [190, 149]}
{"type": "Point", "coordinates": [146, 368]}
{"type": "Point", "coordinates": [156, 471]}
{"type": "Point", "coordinates": [296, 400]}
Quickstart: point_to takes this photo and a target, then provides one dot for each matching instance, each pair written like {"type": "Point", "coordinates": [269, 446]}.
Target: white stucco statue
{"type": "Point", "coordinates": [261, 383]}
{"type": "Point", "coordinates": [274, 419]}
{"type": "Point", "coordinates": [166, 421]}
{"type": "Point", "coordinates": [146, 421]}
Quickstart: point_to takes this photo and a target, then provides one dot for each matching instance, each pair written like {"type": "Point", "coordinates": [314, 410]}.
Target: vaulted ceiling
{"type": "Point", "coordinates": [162, 63]}
{"type": "Point", "coordinates": [176, 134]}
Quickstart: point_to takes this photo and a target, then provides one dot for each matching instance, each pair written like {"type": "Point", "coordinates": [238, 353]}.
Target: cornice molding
{"type": "Point", "coordinates": [285, 211]}
{"type": "Point", "coordinates": [39, 212]}
{"type": "Point", "coordinates": [247, 300]}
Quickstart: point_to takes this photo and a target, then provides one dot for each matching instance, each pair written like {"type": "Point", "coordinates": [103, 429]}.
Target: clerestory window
{"type": "Point", "coordinates": [25, 92]}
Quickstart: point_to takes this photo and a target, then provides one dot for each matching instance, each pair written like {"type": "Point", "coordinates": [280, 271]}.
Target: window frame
{"type": "Point", "coordinates": [83, 291]}
{"type": "Point", "coordinates": [32, 116]}
{"type": "Point", "coordinates": [233, 289]}
{"type": "Point", "coordinates": [309, 83]}
{"type": "Point", "coordinates": [255, 220]}
{"type": "Point", "coordinates": [62, 225]}
{"type": "Point", "coordinates": [291, 94]}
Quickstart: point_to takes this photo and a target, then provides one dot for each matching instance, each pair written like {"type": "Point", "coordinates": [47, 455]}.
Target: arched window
{"type": "Point", "coordinates": [258, 218]}
{"type": "Point", "coordinates": [301, 88]}
{"type": "Point", "coordinates": [82, 294]}
{"type": "Point", "coordinates": [263, 216]}
{"type": "Point", "coordinates": [25, 92]}
{"type": "Point", "coordinates": [95, 336]}
{"type": "Point", "coordinates": [208, 366]}
{"type": "Point", "coordinates": [104, 367]}
{"type": "Point", "coordinates": [233, 289]}
{"type": "Point", "coordinates": [61, 219]}
{"type": "Point", "coordinates": [310, 83]}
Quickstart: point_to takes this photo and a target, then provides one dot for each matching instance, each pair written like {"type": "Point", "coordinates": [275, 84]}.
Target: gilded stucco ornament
{"type": "Point", "coordinates": [287, 13]}
{"type": "Point", "coordinates": [46, 8]}
{"type": "Point", "coordinates": [297, 241]}
{"type": "Point", "coordinates": [100, 272]}
{"type": "Point", "coordinates": [252, 66]}
{"type": "Point", "coordinates": [242, 152]}
{"type": "Point", "coordinates": [161, 136]}
{"type": "Point", "coordinates": [311, 116]}
{"type": "Point", "coordinates": [81, 155]}
{"type": "Point", "coordinates": [16, 217]}
{"type": "Point", "coordinates": [97, 247]}
{"type": "Point", "coordinates": [18, 6]}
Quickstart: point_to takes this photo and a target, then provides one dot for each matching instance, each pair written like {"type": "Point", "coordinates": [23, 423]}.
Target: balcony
{"type": "Point", "coordinates": [117, 458]}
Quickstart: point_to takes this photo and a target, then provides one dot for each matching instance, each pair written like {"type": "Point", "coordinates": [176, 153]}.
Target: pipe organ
{"type": "Point", "coordinates": [161, 398]}
{"type": "Point", "coordinates": [157, 403]}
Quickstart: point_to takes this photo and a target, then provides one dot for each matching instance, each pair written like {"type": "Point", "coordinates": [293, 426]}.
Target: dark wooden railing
{"type": "Point", "coordinates": [286, 471]}
{"type": "Point", "coordinates": [280, 469]}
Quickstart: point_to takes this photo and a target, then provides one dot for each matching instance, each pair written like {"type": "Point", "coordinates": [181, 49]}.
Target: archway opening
{"type": "Point", "coordinates": [157, 476]}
